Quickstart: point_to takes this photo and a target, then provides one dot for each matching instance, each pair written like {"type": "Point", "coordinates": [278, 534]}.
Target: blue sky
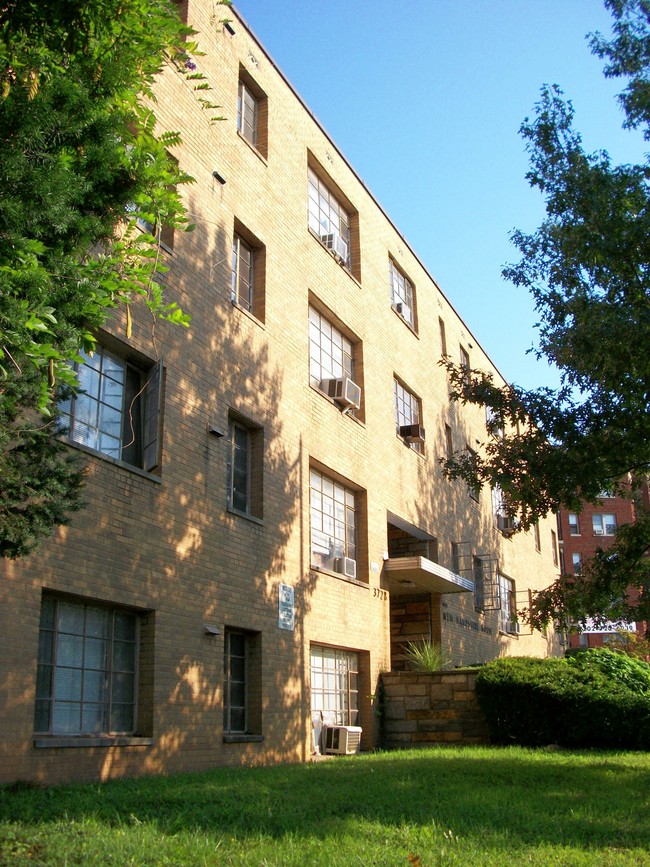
{"type": "Point", "coordinates": [425, 100]}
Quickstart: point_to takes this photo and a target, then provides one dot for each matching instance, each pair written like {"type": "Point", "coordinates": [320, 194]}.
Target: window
{"type": "Point", "coordinates": [333, 525]}
{"type": "Point", "coordinates": [245, 467]}
{"type": "Point", "coordinates": [473, 490]}
{"type": "Point", "coordinates": [604, 525]}
{"type": "Point", "coordinates": [117, 408]}
{"type": "Point", "coordinates": [408, 411]}
{"type": "Point", "coordinates": [576, 559]}
{"type": "Point", "coordinates": [464, 363]}
{"type": "Point", "coordinates": [331, 353]}
{"type": "Point", "coordinates": [538, 543]}
{"type": "Point", "coordinates": [87, 669]}
{"type": "Point", "coordinates": [252, 113]}
{"type": "Point", "coordinates": [493, 423]}
{"type": "Point", "coordinates": [242, 696]}
{"type": "Point", "coordinates": [479, 584]}
{"type": "Point", "coordinates": [401, 294]}
{"type": "Point", "coordinates": [508, 609]}
{"type": "Point", "coordinates": [449, 443]}
{"type": "Point", "coordinates": [329, 220]}
{"type": "Point", "coordinates": [334, 686]}
{"type": "Point", "coordinates": [574, 524]}
{"type": "Point", "coordinates": [443, 337]}
{"type": "Point", "coordinates": [554, 547]}
{"type": "Point", "coordinates": [248, 272]}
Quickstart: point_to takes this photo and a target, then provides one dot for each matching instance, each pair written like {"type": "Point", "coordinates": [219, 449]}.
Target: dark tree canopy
{"type": "Point", "coordinates": [588, 269]}
{"type": "Point", "coordinates": [80, 162]}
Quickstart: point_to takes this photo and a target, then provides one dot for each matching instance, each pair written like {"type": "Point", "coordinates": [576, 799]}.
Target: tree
{"type": "Point", "coordinates": [81, 168]}
{"type": "Point", "coordinates": [588, 268]}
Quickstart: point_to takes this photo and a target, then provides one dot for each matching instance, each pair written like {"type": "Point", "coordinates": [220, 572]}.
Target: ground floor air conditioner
{"type": "Point", "coordinates": [342, 740]}
{"type": "Point", "coordinates": [346, 566]}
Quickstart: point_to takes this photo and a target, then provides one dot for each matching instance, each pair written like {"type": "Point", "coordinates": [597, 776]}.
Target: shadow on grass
{"type": "Point", "coordinates": [505, 798]}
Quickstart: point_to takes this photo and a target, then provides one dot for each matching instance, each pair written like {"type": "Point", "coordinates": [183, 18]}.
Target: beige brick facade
{"type": "Point", "coordinates": [165, 546]}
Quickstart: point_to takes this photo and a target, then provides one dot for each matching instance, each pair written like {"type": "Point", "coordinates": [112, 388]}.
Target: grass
{"type": "Point", "coordinates": [446, 806]}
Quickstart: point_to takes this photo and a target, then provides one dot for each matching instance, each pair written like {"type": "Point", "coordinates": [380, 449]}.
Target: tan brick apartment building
{"type": "Point", "coordinates": [271, 509]}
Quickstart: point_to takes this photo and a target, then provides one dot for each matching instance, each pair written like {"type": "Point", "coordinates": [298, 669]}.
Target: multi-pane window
{"type": "Point", "coordinates": [464, 363]}
{"type": "Point", "coordinates": [334, 686]}
{"type": "Point", "coordinates": [478, 572]}
{"type": "Point", "coordinates": [329, 220]}
{"type": "Point", "coordinates": [604, 525]}
{"type": "Point", "coordinates": [474, 490]}
{"type": "Point", "coordinates": [449, 443]}
{"type": "Point", "coordinates": [243, 273]}
{"type": "Point", "coordinates": [117, 408]}
{"type": "Point", "coordinates": [574, 524]}
{"type": "Point", "coordinates": [333, 523]}
{"type": "Point", "coordinates": [443, 337]}
{"type": "Point", "coordinates": [87, 669]}
{"type": "Point", "coordinates": [330, 353]}
{"type": "Point", "coordinates": [401, 293]}
{"type": "Point", "coordinates": [554, 546]}
{"type": "Point", "coordinates": [408, 410]}
{"type": "Point", "coordinates": [507, 610]}
{"type": "Point", "coordinates": [247, 114]}
{"type": "Point", "coordinates": [245, 456]}
{"type": "Point", "coordinates": [235, 686]}
{"type": "Point", "coordinates": [538, 543]}
{"type": "Point", "coordinates": [576, 559]}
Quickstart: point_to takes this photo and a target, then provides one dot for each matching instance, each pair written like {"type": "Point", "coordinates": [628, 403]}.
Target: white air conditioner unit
{"type": "Point", "coordinates": [412, 433]}
{"type": "Point", "coordinates": [344, 391]}
{"type": "Point", "coordinates": [336, 245]}
{"type": "Point", "coordinates": [342, 740]}
{"type": "Point", "coordinates": [506, 524]}
{"type": "Point", "coordinates": [513, 627]}
{"type": "Point", "coordinates": [346, 566]}
{"type": "Point", "coordinates": [404, 311]}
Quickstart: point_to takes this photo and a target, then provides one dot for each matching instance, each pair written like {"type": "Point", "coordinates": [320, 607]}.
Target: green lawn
{"type": "Point", "coordinates": [473, 806]}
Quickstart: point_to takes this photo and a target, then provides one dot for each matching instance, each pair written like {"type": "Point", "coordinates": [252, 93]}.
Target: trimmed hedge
{"type": "Point", "coordinates": [584, 701]}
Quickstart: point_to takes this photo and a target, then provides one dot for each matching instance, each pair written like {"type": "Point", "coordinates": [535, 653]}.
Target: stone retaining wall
{"type": "Point", "coordinates": [425, 709]}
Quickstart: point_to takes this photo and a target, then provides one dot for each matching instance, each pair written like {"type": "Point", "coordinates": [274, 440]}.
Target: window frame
{"type": "Point", "coordinates": [402, 294]}
{"type": "Point", "coordinates": [574, 524]}
{"type": "Point", "coordinates": [465, 364]}
{"type": "Point", "coordinates": [608, 528]}
{"type": "Point", "coordinates": [343, 540]}
{"type": "Point", "coordinates": [328, 216]}
{"type": "Point", "coordinates": [111, 677]}
{"type": "Point", "coordinates": [255, 132]}
{"type": "Point", "coordinates": [576, 562]}
{"type": "Point", "coordinates": [337, 685]}
{"type": "Point", "coordinates": [332, 344]}
{"type": "Point", "coordinates": [507, 611]}
{"type": "Point", "coordinates": [140, 405]}
{"type": "Point", "coordinates": [228, 706]}
{"type": "Point", "coordinates": [408, 410]}
{"type": "Point", "coordinates": [251, 442]}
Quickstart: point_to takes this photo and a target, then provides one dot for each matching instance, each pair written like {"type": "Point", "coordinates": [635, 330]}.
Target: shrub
{"type": "Point", "coordinates": [574, 703]}
{"type": "Point", "coordinates": [633, 673]}
{"type": "Point", "coordinates": [424, 655]}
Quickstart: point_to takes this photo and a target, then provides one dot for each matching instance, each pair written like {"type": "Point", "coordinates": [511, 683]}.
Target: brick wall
{"type": "Point", "coordinates": [426, 709]}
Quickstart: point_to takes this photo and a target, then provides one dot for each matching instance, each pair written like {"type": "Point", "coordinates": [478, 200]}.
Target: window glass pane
{"type": "Point", "coordinates": [66, 718]}
{"type": "Point", "coordinates": [92, 719]}
{"type": "Point", "coordinates": [94, 686]}
{"type": "Point", "coordinates": [67, 684]}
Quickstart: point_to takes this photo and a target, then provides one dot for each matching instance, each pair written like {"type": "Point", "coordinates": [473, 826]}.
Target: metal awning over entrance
{"type": "Point", "coordinates": [421, 575]}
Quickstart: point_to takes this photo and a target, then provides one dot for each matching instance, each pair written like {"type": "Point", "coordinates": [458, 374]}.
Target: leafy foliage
{"type": "Point", "coordinates": [588, 269]}
{"type": "Point", "coordinates": [588, 700]}
{"type": "Point", "coordinates": [80, 163]}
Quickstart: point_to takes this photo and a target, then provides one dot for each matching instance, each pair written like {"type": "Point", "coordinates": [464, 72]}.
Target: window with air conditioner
{"type": "Point", "coordinates": [334, 686]}
{"type": "Point", "coordinates": [408, 416]}
{"type": "Point", "coordinates": [508, 610]}
{"type": "Point", "coordinates": [332, 361]}
{"type": "Point", "coordinates": [604, 525]}
{"type": "Point", "coordinates": [333, 511]}
{"type": "Point", "coordinates": [116, 411]}
{"type": "Point", "coordinates": [402, 295]}
{"type": "Point", "coordinates": [329, 220]}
